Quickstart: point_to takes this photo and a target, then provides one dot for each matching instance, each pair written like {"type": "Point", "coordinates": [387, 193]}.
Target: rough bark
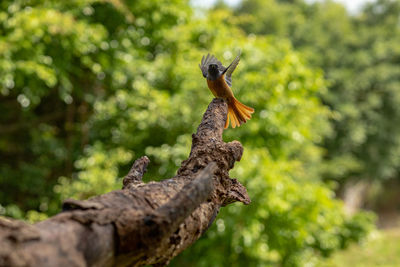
{"type": "Point", "coordinates": [144, 223]}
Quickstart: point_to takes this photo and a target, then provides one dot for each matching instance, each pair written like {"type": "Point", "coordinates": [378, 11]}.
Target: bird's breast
{"type": "Point", "coordinates": [219, 87]}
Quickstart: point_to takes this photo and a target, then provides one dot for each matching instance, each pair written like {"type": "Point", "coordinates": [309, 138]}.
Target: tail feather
{"type": "Point", "coordinates": [231, 118]}
{"type": "Point", "coordinates": [238, 113]}
{"type": "Point", "coordinates": [251, 110]}
{"type": "Point", "coordinates": [235, 119]}
{"type": "Point", "coordinates": [243, 115]}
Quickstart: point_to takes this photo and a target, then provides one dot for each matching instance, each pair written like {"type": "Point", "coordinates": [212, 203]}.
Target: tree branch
{"type": "Point", "coordinates": [142, 223]}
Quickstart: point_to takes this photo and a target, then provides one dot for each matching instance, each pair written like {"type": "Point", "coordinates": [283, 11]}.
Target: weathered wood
{"type": "Point", "coordinates": [144, 223]}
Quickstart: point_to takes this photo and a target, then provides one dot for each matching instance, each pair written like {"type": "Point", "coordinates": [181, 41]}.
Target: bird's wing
{"type": "Point", "coordinates": [206, 61]}
{"type": "Point", "coordinates": [229, 70]}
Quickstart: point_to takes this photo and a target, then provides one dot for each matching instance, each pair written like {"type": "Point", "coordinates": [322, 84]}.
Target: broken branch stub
{"type": "Point", "coordinates": [136, 173]}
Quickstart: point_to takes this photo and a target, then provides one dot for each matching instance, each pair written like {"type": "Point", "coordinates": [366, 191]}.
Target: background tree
{"type": "Point", "coordinates": [58, 61]}
{"type": "Point", "coordinates": [359, 56]}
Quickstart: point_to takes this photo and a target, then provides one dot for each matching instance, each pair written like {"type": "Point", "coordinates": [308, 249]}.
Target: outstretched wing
{"type": "Point", "coordinates": [206, 61]}
{"type": "Point", "coordinates": [229, 70]}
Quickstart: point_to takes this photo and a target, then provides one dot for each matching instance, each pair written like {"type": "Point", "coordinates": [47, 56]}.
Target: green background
{"type": "Point", "coordinates": [87, 86]}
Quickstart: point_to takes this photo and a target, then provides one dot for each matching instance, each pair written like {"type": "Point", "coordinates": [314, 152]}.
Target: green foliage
{"type": "Point", "coordinates": [99, 168]}
{"type": "Point", "coordinates": [58, 60]}
{"type": "Point", "coordinates": [88, 86]}
{"type": "Point", "coordinates": [360, 57]}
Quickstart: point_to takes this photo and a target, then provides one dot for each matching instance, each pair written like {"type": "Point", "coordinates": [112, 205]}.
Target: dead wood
{"type": "Point", "coordinates": [144, 223]}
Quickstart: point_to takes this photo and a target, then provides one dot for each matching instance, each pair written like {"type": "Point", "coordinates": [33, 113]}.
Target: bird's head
{"type": "Point", "coordinates": [213, 69]}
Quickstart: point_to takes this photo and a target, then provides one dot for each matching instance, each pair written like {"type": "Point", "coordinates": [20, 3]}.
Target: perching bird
{"type": "Point", "coordinates": [219, 81]}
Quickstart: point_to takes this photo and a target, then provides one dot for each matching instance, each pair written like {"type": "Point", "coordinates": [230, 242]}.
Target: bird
{"type": "Point", "coordinates": [219, 81]}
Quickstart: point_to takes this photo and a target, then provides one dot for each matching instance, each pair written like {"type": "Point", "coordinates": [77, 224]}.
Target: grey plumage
{"type": "Point", "coordinates": [206, 61]}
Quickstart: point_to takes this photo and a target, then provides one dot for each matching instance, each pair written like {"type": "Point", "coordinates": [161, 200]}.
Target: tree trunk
{"type": "Point", "coordinates": [142, 223]}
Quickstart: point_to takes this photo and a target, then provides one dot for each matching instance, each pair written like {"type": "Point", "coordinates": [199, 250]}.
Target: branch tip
{"type": "Point", "coordinates": [236, 192]}
{"type": "Point", "coordinates": [136, 173]}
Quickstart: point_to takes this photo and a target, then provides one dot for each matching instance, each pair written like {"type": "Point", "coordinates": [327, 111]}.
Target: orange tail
{"type": "Point", "coordinates": [237, 113]}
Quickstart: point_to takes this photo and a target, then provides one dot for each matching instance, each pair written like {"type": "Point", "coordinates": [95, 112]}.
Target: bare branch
{"type": "Point", "coordinates": [141, 224]}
